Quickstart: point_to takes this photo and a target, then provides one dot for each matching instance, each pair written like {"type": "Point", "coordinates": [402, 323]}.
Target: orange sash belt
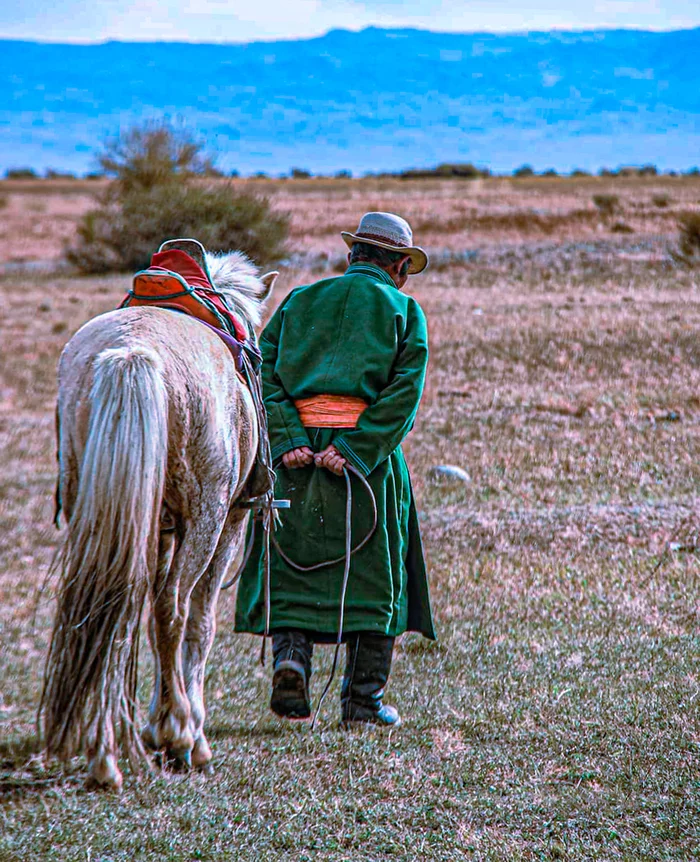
{"type": "Point", "coordinates": [330, 411]}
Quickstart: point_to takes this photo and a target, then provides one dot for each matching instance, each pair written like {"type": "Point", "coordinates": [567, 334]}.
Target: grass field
{"type": "Point", "coordinates": [558, 716]}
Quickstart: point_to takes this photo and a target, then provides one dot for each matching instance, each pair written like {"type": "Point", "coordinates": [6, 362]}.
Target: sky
{"type": "Point", "coordinates": [252, 20]}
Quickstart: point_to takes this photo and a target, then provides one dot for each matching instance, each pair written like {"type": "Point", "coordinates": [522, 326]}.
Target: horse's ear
{"type": "Point", "coordinates": [268, 280]}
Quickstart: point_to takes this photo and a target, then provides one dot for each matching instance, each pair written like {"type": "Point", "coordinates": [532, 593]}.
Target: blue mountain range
{"type": "Point", "coordinates": [366, 101]}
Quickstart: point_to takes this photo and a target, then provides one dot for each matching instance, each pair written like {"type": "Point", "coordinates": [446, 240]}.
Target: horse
{"type": "Point", "coordinates": [157, 435]}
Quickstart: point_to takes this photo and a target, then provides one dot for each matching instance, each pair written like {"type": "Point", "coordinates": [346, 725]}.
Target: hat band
{"type": "Point", "coordinates": [387, 239]}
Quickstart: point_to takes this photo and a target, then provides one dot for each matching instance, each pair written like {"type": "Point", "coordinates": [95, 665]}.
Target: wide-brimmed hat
{"type": "Point", "coordinates": [391, 232]}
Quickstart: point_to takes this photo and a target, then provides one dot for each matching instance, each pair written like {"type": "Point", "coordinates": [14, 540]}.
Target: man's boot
{"type": "Point", "coordinates": [291, 651]}
{"type": "Point", "coordinates": [366, 673]}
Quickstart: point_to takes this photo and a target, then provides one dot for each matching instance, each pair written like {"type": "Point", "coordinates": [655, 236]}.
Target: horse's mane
{"type": "Point", "coordinates": [238, 279]}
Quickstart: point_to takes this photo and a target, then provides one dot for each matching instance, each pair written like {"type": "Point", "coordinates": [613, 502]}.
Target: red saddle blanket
{"type": "Point", "coordinates": [175, 280]}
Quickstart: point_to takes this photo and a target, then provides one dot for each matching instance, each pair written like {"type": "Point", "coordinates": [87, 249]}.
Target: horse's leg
{"type": "Point", "coordinates": [201, 628]}
{"type": "Point", "coordinates": [169, 718]}
{"type": "Point", "coordinates": [166, 551]}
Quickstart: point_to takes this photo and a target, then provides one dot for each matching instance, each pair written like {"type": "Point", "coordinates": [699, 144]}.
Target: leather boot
{"type": "Point", "coordinates": [291, 651]}
{"type": "Point", "coordinates": [366, 673]}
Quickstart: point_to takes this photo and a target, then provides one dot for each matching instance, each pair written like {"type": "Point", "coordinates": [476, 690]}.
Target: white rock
{"type": "Point", "coordinates": [448, 473]}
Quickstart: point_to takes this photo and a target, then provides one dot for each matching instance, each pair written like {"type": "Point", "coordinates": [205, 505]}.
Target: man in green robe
{"type": "Point", "coordinates": [344, 363]}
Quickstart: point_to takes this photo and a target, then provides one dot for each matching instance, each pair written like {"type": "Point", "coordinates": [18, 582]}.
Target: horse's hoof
{"type": "Point", "coordinates": [104, 774]}
{"type": "Point", "coordinates": [201, 755]}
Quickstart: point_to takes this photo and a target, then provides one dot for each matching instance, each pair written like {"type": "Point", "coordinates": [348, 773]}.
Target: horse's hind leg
{"type": "Point", "coordinates": [166, 551]}
{"type": "Point", "coordinates": [201, 628]}
{"type": "Point", "coordinates": [168, 727]}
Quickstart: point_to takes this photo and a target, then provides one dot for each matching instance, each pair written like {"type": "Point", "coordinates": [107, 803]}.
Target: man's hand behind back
{"type": "Point", "coordinates": [331, 459]}
{"type": "Point", "coordinates": [295, 458]}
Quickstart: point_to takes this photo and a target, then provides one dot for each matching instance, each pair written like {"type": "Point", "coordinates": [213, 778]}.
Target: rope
{"type": "Point", "coordinates": [346, 558]}
{"type": "Point", "coordinates": [346, 573]}
{"type": "Point", "coordinates": [348, 468]}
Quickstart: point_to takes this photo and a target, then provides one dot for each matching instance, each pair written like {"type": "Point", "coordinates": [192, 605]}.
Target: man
{"type": "Point", "coordinates": [344, 364]}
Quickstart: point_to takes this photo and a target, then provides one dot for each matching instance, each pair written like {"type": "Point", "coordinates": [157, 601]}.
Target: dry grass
{"type": "Point", "coordinates": [558, 717]}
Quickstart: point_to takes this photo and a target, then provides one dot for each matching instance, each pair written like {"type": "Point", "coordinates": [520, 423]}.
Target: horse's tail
{"type": "Point", "coordinates": [110, 548]}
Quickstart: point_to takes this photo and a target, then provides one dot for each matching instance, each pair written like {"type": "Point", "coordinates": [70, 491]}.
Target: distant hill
{"type": "Point", "coordinates": [373, 100]}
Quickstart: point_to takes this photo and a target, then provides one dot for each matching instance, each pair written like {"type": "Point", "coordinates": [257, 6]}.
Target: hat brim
{"type": "Point", "coordinates": [419, 258]}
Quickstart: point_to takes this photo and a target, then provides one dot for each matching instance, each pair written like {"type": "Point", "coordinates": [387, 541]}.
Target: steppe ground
{"type": "Point", "coordinates": [558, 715]}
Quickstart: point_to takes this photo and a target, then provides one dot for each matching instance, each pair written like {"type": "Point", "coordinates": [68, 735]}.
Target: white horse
{"type": "Point", "coordinates": [157, 435]}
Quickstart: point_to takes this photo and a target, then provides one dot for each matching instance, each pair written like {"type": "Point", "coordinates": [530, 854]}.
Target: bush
{"type": "Point", "coordinates": [158, 194]}
{"type": "Point", "coordinates": [122, 235]}
{"type": "Point", "coordinates": [151, 155]}
{"type": "Point", "coordinates": [465, 171]}
{"type": "Point", "coordinates": [21, 174]}
{"type": "Point", "coordinates": [343, 175]}
{"type": "Point", "coordinates": [51, 174]}
{"type": "Point", "coordinates": [577, 173]}
{"type": "Point", "coordinates": [648, 171]}
{"type": "Point", "coordinates": [606, 204]}
{"type": "Point", "coordinates": [300, 174]}
{"type": "Point", "coordinates": [661, 201]}
{"type": "Point", "coordinates": [621, 227]}
{"type": "Point", "coordinates": [689, 236]}
{"type": "Point", "coordinates": [524, 171]}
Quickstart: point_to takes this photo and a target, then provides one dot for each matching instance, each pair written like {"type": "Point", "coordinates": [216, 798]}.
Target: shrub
{"type": "Point", "coordinates": [122, 235]}
{"type": "Point", "coordinates": [300, 174]}
{"type": "Point", "coordinates": [151, 155]}
{"type": "Point", "coordinates": [149, 202]}
{"type": "Point", "coordinates": [621, 227]}
{"type": "Point", "coordinates": [648, 171]}
{"type": "Point", "coordinates": [550, 172]}
{"type": "Point", "coordinates": [661, 201]}
{"type": "Point", "coordinates": [606, 204]}
{"type": "Point", "coordinates": [689, 236]}
{"type": "Point", "coordinates": [524, 171]}
{"type": "Point", "coordinates": [52, 174]}
{"type": "Point", "coordinates": [465, 171]}
{"type": "Point", "coordinates": [578, 172]}
{"type": "Point", "coordinates": [21, 174]}
{"type": "Point", "coordinates": [343, 175]}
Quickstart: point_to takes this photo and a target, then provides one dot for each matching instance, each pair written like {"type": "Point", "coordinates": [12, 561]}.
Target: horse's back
{"type": "Point", "coordinates": [211, 426]}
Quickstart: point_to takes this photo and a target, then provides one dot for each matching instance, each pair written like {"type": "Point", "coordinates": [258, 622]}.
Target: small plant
{"type": "Point", "coordinates": [162, 189]}
{"type": "Point", "coordinates": [606, 204]}
{"type": "Point", "coordinates": [661, 201]}
{"type": "Point", "coordinates": [52, 174]}
{"type": "Point", "coordinates": [689, 237]}
{"type": "Point", "coordinates": [21, 174]}
{"type": "Point", "coordinates": [621, 227]}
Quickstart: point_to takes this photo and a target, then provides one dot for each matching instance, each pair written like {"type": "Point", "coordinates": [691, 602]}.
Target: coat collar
{"type": "Point", "coordinates": [365, 268]}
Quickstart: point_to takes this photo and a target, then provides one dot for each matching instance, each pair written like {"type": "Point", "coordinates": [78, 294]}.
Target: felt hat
{"type": "Point", "coordinates": [389, 231]}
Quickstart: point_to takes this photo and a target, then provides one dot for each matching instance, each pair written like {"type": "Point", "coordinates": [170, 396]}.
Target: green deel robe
{"type": "Point", "coordinates": [355, 335]}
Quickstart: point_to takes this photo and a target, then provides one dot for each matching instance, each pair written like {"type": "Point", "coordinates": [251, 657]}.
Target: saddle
{"type": "Point", "coordinates": [178, 279]}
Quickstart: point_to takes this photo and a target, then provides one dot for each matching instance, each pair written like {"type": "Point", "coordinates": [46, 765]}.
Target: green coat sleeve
{"type": "Point", "coordinates": [384, 424]}
{"type": "Point", "coordinates": [284, 425]}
